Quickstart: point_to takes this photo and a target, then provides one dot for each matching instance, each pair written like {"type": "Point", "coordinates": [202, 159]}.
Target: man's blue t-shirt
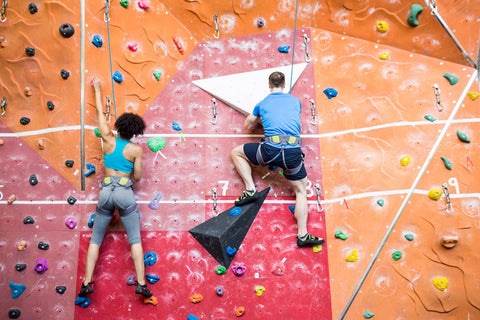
{"type": "Point", "coordinates": [280, 114]}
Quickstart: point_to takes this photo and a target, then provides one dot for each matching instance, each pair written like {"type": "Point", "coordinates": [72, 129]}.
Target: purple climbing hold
{"type": "Point", "coordinates": [239, 269]}
{"type": "Point", "coordinates": [330, 93]}
{"type": "Point", "coordinates": [219, 291]}
{"type": "Point", "coordinates": [71, 223]}
{"type": "Point", "coordinates": [284, 49]}
{"type": "Point", "coordinates": [41, 266]}
{"type": "Point", "coordinates": [155, 201]}
{"type": "Point", "coordinates": [131, 280]}
{"type": "Point", "coordinates": [260, 22]}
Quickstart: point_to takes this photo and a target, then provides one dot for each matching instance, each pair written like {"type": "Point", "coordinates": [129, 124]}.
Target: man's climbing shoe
{"type": "Point", "coordinates": [246, 197]}
{"type": "Point", "coordinates": [85, 289]}
{"type": "Point", "coordinates": [309, 240]}
{"type": "Point", "coordinates": [143, 290]}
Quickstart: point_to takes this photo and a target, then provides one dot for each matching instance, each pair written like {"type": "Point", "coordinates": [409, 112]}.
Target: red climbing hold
{"type": "Point", "coordinates": [133, 46]}
{"type": "Point", "coordinates": [178, 43]}
{"type": "Point", "coordinates": [143, 5]}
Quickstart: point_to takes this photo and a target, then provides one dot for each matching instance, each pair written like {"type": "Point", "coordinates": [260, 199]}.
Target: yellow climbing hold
{"type": "Point", "coordinates": [259, 290]}
{"type": "Point", "coordinates": [441, 283]}
{"type": "Point", "coordinates": [435, 194]}
{"type": "Point", "coordinates": [473, 95]}
{"type": "Point", "coordinates": [353, 256]}
{"type": "Point", "coordinates": [382, 26]}
{"type": "Point", "coordinates": [405, 161]}
{"type": "Point", "coordinates": [384, 56]}
{"type": "Point", "coordinates": [317, 248]}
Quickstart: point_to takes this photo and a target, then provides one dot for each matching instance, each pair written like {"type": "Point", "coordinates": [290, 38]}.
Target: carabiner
{"type": "Point", "coordinates": [313, 108]}
{"type": "Point", "coordinates": [447, 196]}
{"type": "Point", "coordinates": [307, 54]}
{"type": "Point", "coordinates": [318, 191]}
{"type": "Point", "coordinates": [216, 35]}
{"type": "Point", "coordinates": [3, 14]}
{"type": "Point", "coordinates": [214, 111]}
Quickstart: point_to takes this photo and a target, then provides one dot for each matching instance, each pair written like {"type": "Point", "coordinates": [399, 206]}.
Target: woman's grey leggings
{"type": "Point", "coordinates": [116, 193]}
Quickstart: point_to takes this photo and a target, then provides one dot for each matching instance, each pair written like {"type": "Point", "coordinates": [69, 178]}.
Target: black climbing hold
{"type": "Point", "coordinates": [24, 120]}
{"type": "Point", "coordinates": [225, 230]}
{"type": "Point", "coordinates": [69, 163]}
{"type": "Point", "coordinates": [33, 179]}
{"type": "Point", "coordinates": [28, 220]}
{"type": "Point", "coordinates": [20, 266]}
{"type": "Point", "coordinates": [64, 74]}
{"type": "Point", "coordinates": [32, 7]}
{"type": "Point", "coordinates": [14, 313]}
{"type": "Point", "coordinates": [66, 30]}
{"type": "Point", "coordinates": [71, 200]}
{"type": "Point", "coordinates": [43, 245]}
{"type": "Point", "coordinates": [50, 105]}
{"type": "Point", "coordinates": [61, 289]}
{"type": "Point", "coordinates": [30, 51]}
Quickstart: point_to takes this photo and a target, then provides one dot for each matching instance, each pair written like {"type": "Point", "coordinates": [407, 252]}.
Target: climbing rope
{"type": "Point", "coordinates": [106, 18]}
{"type": "Point", "coordinates": [3, 14]}
{"type": "Point", "coordinates": [82, 94]}
{"type": "Point", "coordinates": [293, 50]}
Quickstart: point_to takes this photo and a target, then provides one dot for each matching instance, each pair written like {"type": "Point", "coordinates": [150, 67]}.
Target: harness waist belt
{"type": "Point", "coordinates": [284, 139]}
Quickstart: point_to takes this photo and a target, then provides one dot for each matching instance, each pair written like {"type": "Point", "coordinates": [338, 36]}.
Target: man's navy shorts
{"type": "Point", "coordinates": [293, 157]}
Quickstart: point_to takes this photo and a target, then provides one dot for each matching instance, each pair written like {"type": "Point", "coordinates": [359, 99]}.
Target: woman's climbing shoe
{"type": "Point", "coordinates": [85, 289]}
{"type": "Point", "coordinates": [143, 290]}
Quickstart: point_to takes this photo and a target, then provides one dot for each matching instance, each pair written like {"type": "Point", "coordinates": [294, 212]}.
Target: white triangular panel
{"type": "Point", "coordinates": [242, 91]}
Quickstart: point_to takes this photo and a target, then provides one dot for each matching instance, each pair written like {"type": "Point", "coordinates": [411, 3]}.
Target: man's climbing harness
{"type": "Point", "coordinates": [108, 114]}
{"type": "Point", "coordinates": [307, 54]}
{"type": "Point", "coordinates": [283, 140]}
{"type": "Point", "coordinates": [106, 18]}
{"type": "Point", "coordinates": [3, 107]}
{"type": "Point", "coordinates": [446, 192]}
{"type": "Point", "coordinates": [214, 193]}
{"type": "Point", "coordinates": [436, 90]}
{"type": "Point", "coordinates": [3, 14]}
{"type": "Point", "coordinates": [318, 191]}
{"type": "Point", "coordinates": [314, 115]}
{"type": "Point", "coordinates": [216, 35]}
{"type": "Point", "coordinates": [214, 111]}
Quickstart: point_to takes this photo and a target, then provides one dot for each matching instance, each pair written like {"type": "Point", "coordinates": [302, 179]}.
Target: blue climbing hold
{"type": "Point", "coordinates": [191, 317]}
{"type": "Point", "coordinates": [150, 258]}
{"type": "Point", "coordinates": [231, 251]}
{"type": "Point", "coordinates": [90, 168]}
{"type": "Point", "coordinates": [17, 289]}
{"type": "Point", "coordinates": [83, 301]}
{"type": "Point", "coordinates": [176, 126]}
{"type": "Point", "coordinates": [152, 278]}
{"type": "Point", "coordinates": [91, 220]}
{"type": "Point", "coordinates": [292, 209]}
{"type": "Point", "coordinates": [272, 168]}
{"type": "Point", "coordinates": [330, 93]}
{"type": "Point", "coordinates": [235, 211]}
{"type": "Point", "coordinates": [283, 49]}
{"type": "Point", "coordinates": [117, 76]}
{"type": "Point", "coordinates": [97, 41]}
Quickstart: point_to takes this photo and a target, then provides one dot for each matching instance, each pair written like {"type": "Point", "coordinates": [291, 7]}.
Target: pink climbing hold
{"type": "Point", "coordinates": [239, 269]}
{"type": "Point", "coordinates": [143, 4]}
{"type": "Point", "coordinates": [71, 223]}
{"type": "Point", "coordinates": [133, 46]}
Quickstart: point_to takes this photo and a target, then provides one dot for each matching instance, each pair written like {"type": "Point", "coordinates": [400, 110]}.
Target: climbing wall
{"type": "Point", "coordinates": [364, 148]}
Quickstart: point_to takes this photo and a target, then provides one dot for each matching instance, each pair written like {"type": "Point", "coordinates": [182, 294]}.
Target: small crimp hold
{"type": "Point", "coordinates": [24, 120]}
{"type": "Point", "coordinates": [69, 163]}
{"type": "Point", "coordinates": [20, 266]}
{"type": "Point", "coordinates": [117, 76]}
{"type": "Point", "coordinates": [339, 234]}
{"type": "Point", "coordinates": [11, 199]}
{"type": "Point", "coordinates": [41, 266]}
{"type": "Point", "coordinates": [83, 301]}
{"type": "Point", "coordinates": [259, 290]}
{"type": "Point", "coordinates": [50, 105]}
{"type": "Point", "coordinates": [61, 289]}
{"type": "Point", "coordinates": [330, 93]}
{"type": "Point", "coordinates": [157, 75]}
{"type": "Point", "coordinates": [131, 280]}
{"type": "Point", "coordinates": [381, 202]}
{"type": "Point", "coordinates": [384, 56]}
{"type": "Point", "coordinates": [196, 298]}
{"type": "Point", "coordinates": [447, 163]}
{"type": "Point", "coordinates": [192, 317]}
{"type": "Point", "coordinates": [30, 51]}
{"type": "Point", "coordinates": [473, 95]}
{"type": "Point", "coordinates": [239, 269]}
{"type": "Point", "coordinates": [382, 26]}
{"type": "Point", "coordinates": [260, 22]}
{"type": "Point", "coordinates": [405, 160]}
{"type": "Point", "coordinates": [66, 30]}
{"type": "Point", "coordinates": [91, 220]}
{"type": "Point", "coordinates": [219, 291]}
{"type": "Point", "coordinates": [28, 220]}
{"type": "Point", "coordinates": [33, 179]}
{"type": "Point", "coordinates": [440, 283]}
{"type": "Point", "coordinates": [132, 46]}
{"type": "Point", "coordinates": [430, 118]}
{"type": "Point", "coordinates": [32, 7]}
{"type": "Point", "coordinates": [409, 236]}
{"type": "Point", "coordinates": [152, 278]}
{"type": "Point", "coordinates": [149, 259]}
{"type": "Point", "coordinates": [231, 251]}
{"type": "Point", "coordinates": [353, 256]}
{"type": "Point", "coordinates": [142, 4]}
{"type": "Point", "coordinates": [22, 245]}
{"type": "Point", "coordinates": [64, 74]}
{"type": "Point", "coordinates": [367, 314]}
{"type": "Point", "coordinates": [71, 223]}
{"type": "Point", "coordinates": [435, 194]}
{"type": "Point", "coordinates": [462, 136]}
{"type": "Point", "coordinates": [124, 3]}
{"type": "Point", "coordinates": [414, 12]}
{"type": "Point", "coordinates": [71, 200]}
{"type": "Point", "coordinates": [452, 79]}
{"type": "Point", "coordinates": [28, 92]}
{"type": "Point", "coordinates": [43, 245]}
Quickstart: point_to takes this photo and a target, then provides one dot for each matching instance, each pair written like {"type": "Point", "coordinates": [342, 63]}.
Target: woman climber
{"type": "Point", "coordinates": [122, 159]}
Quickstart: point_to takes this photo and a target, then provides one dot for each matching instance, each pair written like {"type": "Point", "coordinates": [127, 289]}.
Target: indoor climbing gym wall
{"type": "Point", "coordinates": [390, 129]}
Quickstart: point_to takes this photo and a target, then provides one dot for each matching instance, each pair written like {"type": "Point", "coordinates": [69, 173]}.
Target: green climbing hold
{"type": "Point", "coordinates": [339, 234]}
{"type": "Point", "coordinates": [220, 270]}
{"type": "Point", "coordinates": [396, 255]}
{"type": "Point", "coordinates": [157, 75]}
{"type": "Point", "coordinates": [447, 163]}
{"type": "Point", "coordinates": [368, 314]}
{"type": "Point", "coordinates": [97, 132]}
{"type": "Point", "coordinates": [156, 144]}
{"type": "Point", "coordinates": [430, 118]}
{"type": "Point", "coordinates": [414, 12]}
{"type": "Point", "coordinates": [380, 202]}
{"type": "Point", "coordinates": [124, 3]}
{"type": "Point", "coordinates": [409, 236]}
{"type": "Point", "coordinates": [463, 136]}
{"type": "Point", "coordinates": [451, 78]}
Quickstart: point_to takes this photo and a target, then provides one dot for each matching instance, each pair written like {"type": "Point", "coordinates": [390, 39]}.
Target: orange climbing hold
{"type": "Point", "coordinates": [152, 300]}
{"type": "Point", "coordinates": [179, 45]}
{"type": "Point", "coordinates": [41, 143]}
{"type": "Point", "coordinates": [1, 142]}
{"type": "Point", "coordinates": [11, 199]}
{"type": "Point", "coordinates": [240, 311]}
{"type": "Point", "coordinates": [22, 245]}
{"type": "Point", "coordinates": [196, 298]}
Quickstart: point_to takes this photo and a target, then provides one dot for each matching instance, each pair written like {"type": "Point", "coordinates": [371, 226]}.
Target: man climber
{"type": "Point", "coordinates": [121, 160]}
{"type": "Point", "coordinates": [279, 113]}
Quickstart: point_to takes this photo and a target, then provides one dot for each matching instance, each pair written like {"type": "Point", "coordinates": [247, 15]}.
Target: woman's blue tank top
{"type": "Point", "coordinates": [116, 160]}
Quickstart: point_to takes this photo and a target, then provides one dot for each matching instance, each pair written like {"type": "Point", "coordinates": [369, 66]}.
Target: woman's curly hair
{"type": "Point", "coordinates": [129, 125]}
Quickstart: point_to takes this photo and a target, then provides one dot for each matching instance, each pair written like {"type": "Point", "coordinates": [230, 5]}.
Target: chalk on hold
{"type": "Point", "coordinates": [330, 93]}
{"type": "Point", "coordinates": [353, 256]}
{"type": "Point", "coordinates": [397, 255]}
{"type": "Point", "coordinates": [192, 317]}
{"type": "Point", "coordinates": [71, 223]}
{"type": "Point", "coordinates": [409, 236]}
{"type": "Point", "coordinates": [17, 289]}
{"type": "Point", "coordinates": [447, 163]}
{"type": "Point", "coordinates": [152, 278]}
{"type": "Point", "coordinates": [124, 3]}
{"type": "Point", "coordinates": [435, 194]}
{"type": "Point", "coordinates": [22, 245]}
{"type": "Point", "coordinates": [149, 259]}
{"type": "Point", "coordinates": [61, 289]}
{"type": "Point", "coordinates": [384, 56]}
{"type": "Point", "coordinates": [405, 160]}
{"type": "Point", "coordinates": [473, 95]}
{"type": "Point", "coordinates": [414, 12]}
{"type": "Point", "coordinates": [240, 311]}
{"type": "Point", "coordinates": [339, 234]}
{"type": "Point", "coordinates": [20, 266]}
{"type": "Point", "coordinates": [196, 298]}
{"type": "Point", "coordinates": [220, 270]}
{"type": "Point", "coordinates": [117, 76]}
{"type": "Point", "coordinates": [440, 283]}
{"type": "Point", "coordinates": [259, 290]}
{"type": "Point", "coordinates": [382, 26]}
{"type": "Point", "coordinates": [152, 300]}
{"type": "Point", "coordinates": [453, 79]}
{"type": "Point", "coordinates": [156, 144]}
{"type": "Point", "coordinates": [157, 75]}
{"type": "Point", "coordinates": [71, 200]}
{"type": "Point", "coordinates": [284, 49]}
{"type": "Point", "coordinates": [97, 41]}
{"type": "Point", "coordinates": [28, 220]}
{"type": "Point", "coordinates": [367, 314]}
{"type": "Point", "coordinates": [380, 202]}
{"type": "Point", "coordinates": [66, 30]}
{"type": "Point", "coordinates": [83, 301]}
{"type": "Point", "coordinates": [14, 313]}
{"type": "Point", "coordinates": [462, 136]}
{"type": "Point", "coordinates": [24, 120]}
{"type": "Point", "coordinates": [90, 168]}
{"type": "Point", "coordinates": [239, 269]}
{"type": "Point", "coordinates": [430, 118]}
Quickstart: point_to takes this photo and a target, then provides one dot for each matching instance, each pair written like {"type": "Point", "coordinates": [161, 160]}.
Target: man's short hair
{"type": "Point", "coordinates": [276, 80]}
{"type": "Point", "coordinates": [129, 125]}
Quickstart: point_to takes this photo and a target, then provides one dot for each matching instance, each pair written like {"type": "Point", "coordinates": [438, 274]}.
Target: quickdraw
{"type": "Point", "coordinates": [314, 115]}
{"type": "Point", "coordinates": [216, 35]}
{"type": "Point", "coordinates": [108, 114]}
{"type": "Point", "coordinates": [3, 14]}
{"type": "Point", "coordinates": [214, 111]}
{"type": "Point", "coordinates": [214, 192]}
{"type": "Point", "coordinates": [436, 90]}
{"type": "Point", "coordinates": [3, 107]}
{"type": "Point", "coordinates": [318, 191]}
{"type": "Point", "coordinates": [447, 196]}
{"type": "Point", "coordinates": [307, 54]}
